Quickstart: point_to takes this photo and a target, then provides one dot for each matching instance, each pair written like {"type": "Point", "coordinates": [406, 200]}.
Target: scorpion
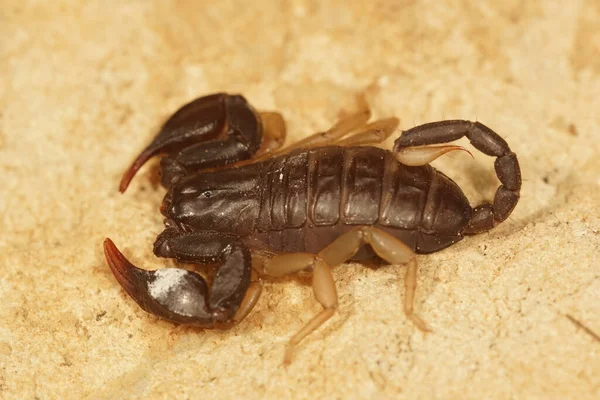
{"type": "Point", "coordinates": [247, 207]}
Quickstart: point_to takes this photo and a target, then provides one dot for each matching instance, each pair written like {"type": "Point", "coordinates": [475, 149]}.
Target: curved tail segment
{"type": "Point", "coordinates": [210, 131]}
{"type": "Point", "coordinates": [487, 215]}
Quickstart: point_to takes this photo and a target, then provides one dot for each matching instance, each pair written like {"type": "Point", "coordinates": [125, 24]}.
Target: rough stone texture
{"type": "Point", "coordinates": [85, 86]}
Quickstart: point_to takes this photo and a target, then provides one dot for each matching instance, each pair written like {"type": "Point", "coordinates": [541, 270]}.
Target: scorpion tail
{"type": "Point", "coordinates": [487, 215]}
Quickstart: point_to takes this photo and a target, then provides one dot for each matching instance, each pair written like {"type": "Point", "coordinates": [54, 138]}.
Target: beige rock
{"type": "Point", "coordinates": [515, 312]}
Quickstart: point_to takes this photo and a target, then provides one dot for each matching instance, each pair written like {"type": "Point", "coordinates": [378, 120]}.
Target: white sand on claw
{"type": "Point", "coordinates": [166, 280]}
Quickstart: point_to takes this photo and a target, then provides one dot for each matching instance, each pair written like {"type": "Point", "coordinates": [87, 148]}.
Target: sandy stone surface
{"type": "Point", "coordinates": [84, 85]}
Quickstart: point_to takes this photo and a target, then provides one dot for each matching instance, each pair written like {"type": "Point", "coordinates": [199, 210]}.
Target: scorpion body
{"type": "Point", "coordinates": [304, 200]}
{"type": "Point", "coordinates": [237, 202]}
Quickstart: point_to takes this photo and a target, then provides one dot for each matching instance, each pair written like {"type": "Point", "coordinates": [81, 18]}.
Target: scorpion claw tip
{"type": "Point", "coordinates": [133, 169]}
{"type": "Point", "coordinates": [128, 275]}
{"type": "Point", "coordinates": [127, 177]}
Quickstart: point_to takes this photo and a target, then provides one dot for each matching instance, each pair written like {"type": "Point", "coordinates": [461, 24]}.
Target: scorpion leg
{"type": "Point", "coordinates": [342, 128]}
{"type": "Point", "coordinates": [386, 247]}
{"type": "Point", "coordinates": [340, 250]}
{"type": "Point", "coordinates": [351, 131]}
{"type": "Point", "coordinates": [183, 296]}
{"type": "Point", "coordinates": [323, 288]}
{"type": "Point", "coordinates": [254, 290]}
{"type": "Point", "coordinates": [250, 299]}
{"type": "Point", "coordinates": [210, 131]}
{"type": "Point", "coordinates": [487, 215]}
{"type": "Point", "coordinates": [374, 132]}
{"type": "Point", "coordinates": [274, 131]}
{"type": "Point", "coordinates": [330, 136]}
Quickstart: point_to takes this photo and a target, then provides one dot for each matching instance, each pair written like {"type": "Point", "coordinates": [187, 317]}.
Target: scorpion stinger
{"type": "Point", "coordinates": [423, 155]}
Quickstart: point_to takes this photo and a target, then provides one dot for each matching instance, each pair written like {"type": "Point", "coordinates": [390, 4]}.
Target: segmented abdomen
{"type": "Point", "coordinates": [309, 197]}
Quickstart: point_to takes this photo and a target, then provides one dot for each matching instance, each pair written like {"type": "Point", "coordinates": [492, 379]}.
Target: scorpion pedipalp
{"type": "Point", "coordinates": [174, 294]}
{"type": "Point", "coordinates": [183, 296]}
{"type": "Point", "coordinates": [210, 131]}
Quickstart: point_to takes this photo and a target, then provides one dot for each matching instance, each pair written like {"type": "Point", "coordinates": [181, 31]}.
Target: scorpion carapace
{"type": "Point", "coordinates": [234, 197]}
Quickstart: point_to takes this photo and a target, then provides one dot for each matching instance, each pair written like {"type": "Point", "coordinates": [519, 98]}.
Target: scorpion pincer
{"type": "Point", "coordinates": [235, 196]}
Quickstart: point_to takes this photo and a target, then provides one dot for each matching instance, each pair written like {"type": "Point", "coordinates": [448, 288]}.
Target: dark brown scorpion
{"type": "Point", "coordinates": [234, 197]}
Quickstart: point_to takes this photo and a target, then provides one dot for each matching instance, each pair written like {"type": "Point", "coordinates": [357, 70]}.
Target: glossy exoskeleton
{"type": "Point", "coordinates": [234, 197]}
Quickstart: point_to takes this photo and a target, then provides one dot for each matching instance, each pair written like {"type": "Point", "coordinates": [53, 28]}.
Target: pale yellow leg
{"type": "Point", "coordinates": [372, 133]}
{"type": "Point", "coordinates": [323, 288]}
{"type": "Point", "coordinates": [338, 131]}
{"type": "Point", "coordinates": [250, 299]}
{"type": "Point", "coordinates": [274, 133]}
{"type": "Point", "coordinates": [410, 286]}
{"type": "Point", "coordinates": [340, 250]}
{"type": "Point", "coordinates": [389, 249]}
